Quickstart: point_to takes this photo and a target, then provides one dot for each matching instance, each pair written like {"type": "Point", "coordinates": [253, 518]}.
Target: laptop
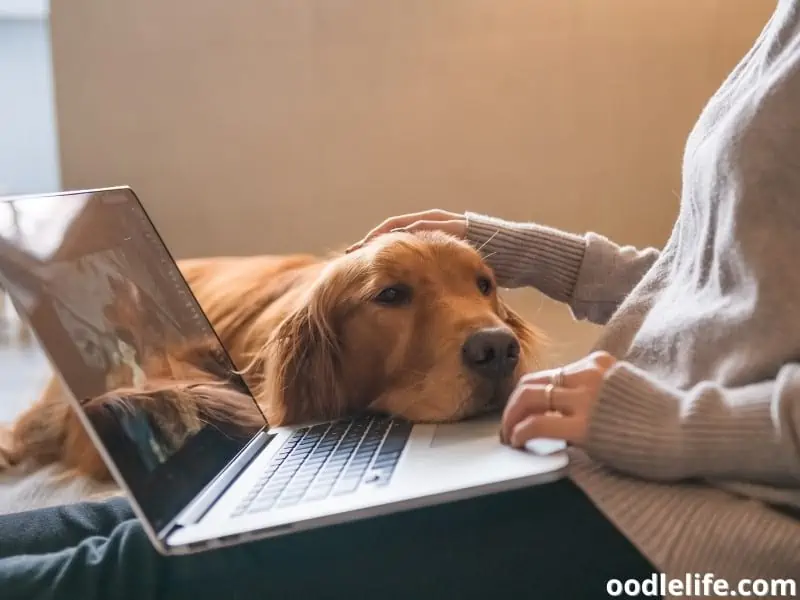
{"type": "Point", "coordinates": [64, 257]}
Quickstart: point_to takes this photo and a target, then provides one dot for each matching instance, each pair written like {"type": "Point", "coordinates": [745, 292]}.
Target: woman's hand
{"type": "Point", "coordinates": [436, 220]}
{"type": "Point", "coordinates": [541, 406]}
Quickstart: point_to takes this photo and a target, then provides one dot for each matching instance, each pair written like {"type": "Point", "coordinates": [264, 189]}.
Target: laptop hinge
{"type": "Point", "coordinates": [201, 504]}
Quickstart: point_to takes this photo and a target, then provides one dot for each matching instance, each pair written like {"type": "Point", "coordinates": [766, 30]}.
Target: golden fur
{"type": "Point", "coordinates": [312, 343]}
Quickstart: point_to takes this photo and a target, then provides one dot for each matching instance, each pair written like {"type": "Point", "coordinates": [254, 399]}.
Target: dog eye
{"type": "Point", "coordinates": [485, 285]}
{"type": "Point", "coordinates": [394, 295]}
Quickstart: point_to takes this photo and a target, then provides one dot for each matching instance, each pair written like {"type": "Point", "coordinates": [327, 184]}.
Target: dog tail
{"type": "Point", "coordinates": [37, 436]}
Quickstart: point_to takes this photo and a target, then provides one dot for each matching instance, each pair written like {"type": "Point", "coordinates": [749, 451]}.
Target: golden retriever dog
{"type": "Point", "coordinates": [409, 325]}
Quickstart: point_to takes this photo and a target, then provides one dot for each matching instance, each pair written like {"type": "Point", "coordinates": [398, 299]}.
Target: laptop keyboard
{"type": "Point", "coordinates": [331, 459]}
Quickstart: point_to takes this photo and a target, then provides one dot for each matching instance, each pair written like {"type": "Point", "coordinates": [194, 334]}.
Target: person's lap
{"type": "Point", "coordinates": [546, 541]}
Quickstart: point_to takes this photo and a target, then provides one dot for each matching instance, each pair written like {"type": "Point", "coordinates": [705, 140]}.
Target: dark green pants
{"type": "Point", "coordinates": [544, 542]}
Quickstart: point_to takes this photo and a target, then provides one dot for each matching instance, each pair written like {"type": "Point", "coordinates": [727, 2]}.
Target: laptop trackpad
{"type": "Point", "coordinates": [488, 426]}
{"type": "Point", "coordinates": [452, 434]}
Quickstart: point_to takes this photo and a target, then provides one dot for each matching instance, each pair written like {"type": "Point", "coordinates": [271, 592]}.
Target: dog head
{"type": "Point", "coordinates": [409, 325]}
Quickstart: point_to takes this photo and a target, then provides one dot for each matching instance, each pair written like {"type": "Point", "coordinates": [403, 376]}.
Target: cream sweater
{"type": "Point", "coordinates": [694, 445]}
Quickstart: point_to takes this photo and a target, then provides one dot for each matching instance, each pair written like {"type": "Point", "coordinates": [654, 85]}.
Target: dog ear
{"type": "Point", "coordinates": [303, 374]}
{"type": "Point", "coordinates": [531, 339]}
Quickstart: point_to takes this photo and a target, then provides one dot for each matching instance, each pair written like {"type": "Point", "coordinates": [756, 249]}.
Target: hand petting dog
{"type": "Point", "coordinates": [555, 403]}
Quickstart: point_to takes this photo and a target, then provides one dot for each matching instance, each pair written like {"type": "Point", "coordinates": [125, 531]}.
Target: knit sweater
{"type": "Point", "coordinates": [693, 447]}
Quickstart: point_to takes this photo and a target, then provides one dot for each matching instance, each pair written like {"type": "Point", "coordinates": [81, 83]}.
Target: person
{"type": "Point", "coordinates": [686, 419]}
{"type": "Point", "coordinates": [684, 424]}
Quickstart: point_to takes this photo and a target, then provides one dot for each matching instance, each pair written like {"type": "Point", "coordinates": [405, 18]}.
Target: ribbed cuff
{"type": "Point", "coordinates": [710, 432]}
{"type": "Point", "coordinates": [528, 254]}
{"type": "Point", "coordinates": [634, 426]}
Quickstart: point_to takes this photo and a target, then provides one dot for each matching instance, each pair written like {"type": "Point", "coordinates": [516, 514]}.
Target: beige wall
{"type": "Point", "coordinates": [289, 125]}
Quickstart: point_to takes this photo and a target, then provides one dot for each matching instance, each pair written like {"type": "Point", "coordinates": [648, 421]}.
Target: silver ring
{"type": "Point", "coordinates": [548, 394]}
{"type": "Point", "coordinates": [558, 378]}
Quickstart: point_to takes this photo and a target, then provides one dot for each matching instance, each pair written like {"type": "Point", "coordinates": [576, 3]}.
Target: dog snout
{"type": "Point", "coordinates": [491, 353]}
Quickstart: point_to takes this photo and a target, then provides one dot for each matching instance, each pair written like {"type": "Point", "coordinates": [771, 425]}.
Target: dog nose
{"type": "Point", "coordinates": [492, 353]}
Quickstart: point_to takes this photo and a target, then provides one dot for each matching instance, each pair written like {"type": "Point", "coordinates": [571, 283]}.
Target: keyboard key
{"type": "Point", "coordinates": [393, 445]}
{"type": "Point", "coordinates": [387, 459]}
{"type": "Point", "coordinates": [358, 466]}
{"type": "Point", "coordinates": [351, 476]}
{"type": "Point", "coordinates": [290, 496]}
{"type": "Point", "coordinates": [297, 487]}
{"type": "Point", "coordinates": [317, 494]}
{"type": "Point", "coordinates": [346, 487]}
{"type": "Point", "coordinates": [304, 481]}
{"type": "Point", "coordinates": [296, 436]}
{"type": "Point", "coordinates": [259, 506]}
{"type": "Point", "coordinates": [325, 480]}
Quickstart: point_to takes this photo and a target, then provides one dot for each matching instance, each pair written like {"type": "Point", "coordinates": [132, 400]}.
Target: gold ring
{"type": "Point", "coordinates": [558, 378]}
{"type": "Point", "coordinates": [548, 394]}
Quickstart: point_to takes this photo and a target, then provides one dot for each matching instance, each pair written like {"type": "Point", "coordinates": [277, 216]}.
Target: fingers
{"type": "Point", "coordinates": [576, 374]}
{"type": "Point", "coordinates": [429, 219]}
{"type": "Point", "coordinates": [570, 377]}
{"type": "Point", "coordinates": [532, 399]}
{"type": "Point", "coordinates": [602, 359]}
{"type": "Point", "coordinates": [529, 413]}
{"type": "Point", "coordinates": [393, 223]}
{"type": "Point", "coordinates": [548, 376]}
{"type": "Point", "coordinates": [452, 226]}
{"type": "Point", "coordinates": [547, 426]}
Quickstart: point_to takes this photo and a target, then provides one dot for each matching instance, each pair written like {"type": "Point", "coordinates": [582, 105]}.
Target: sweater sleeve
{"type": "Point", "coordinates": [588, 272]}
{"type": "Point", "coordinates": [747, 434]}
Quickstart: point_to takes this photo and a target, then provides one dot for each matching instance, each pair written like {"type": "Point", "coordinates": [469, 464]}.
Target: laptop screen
{"type": "Point", "coordinates": [118, 321]}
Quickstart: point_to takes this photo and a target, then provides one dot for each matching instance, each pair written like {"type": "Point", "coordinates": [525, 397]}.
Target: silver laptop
{"type": "Point", "coordinates": [64, 256]}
